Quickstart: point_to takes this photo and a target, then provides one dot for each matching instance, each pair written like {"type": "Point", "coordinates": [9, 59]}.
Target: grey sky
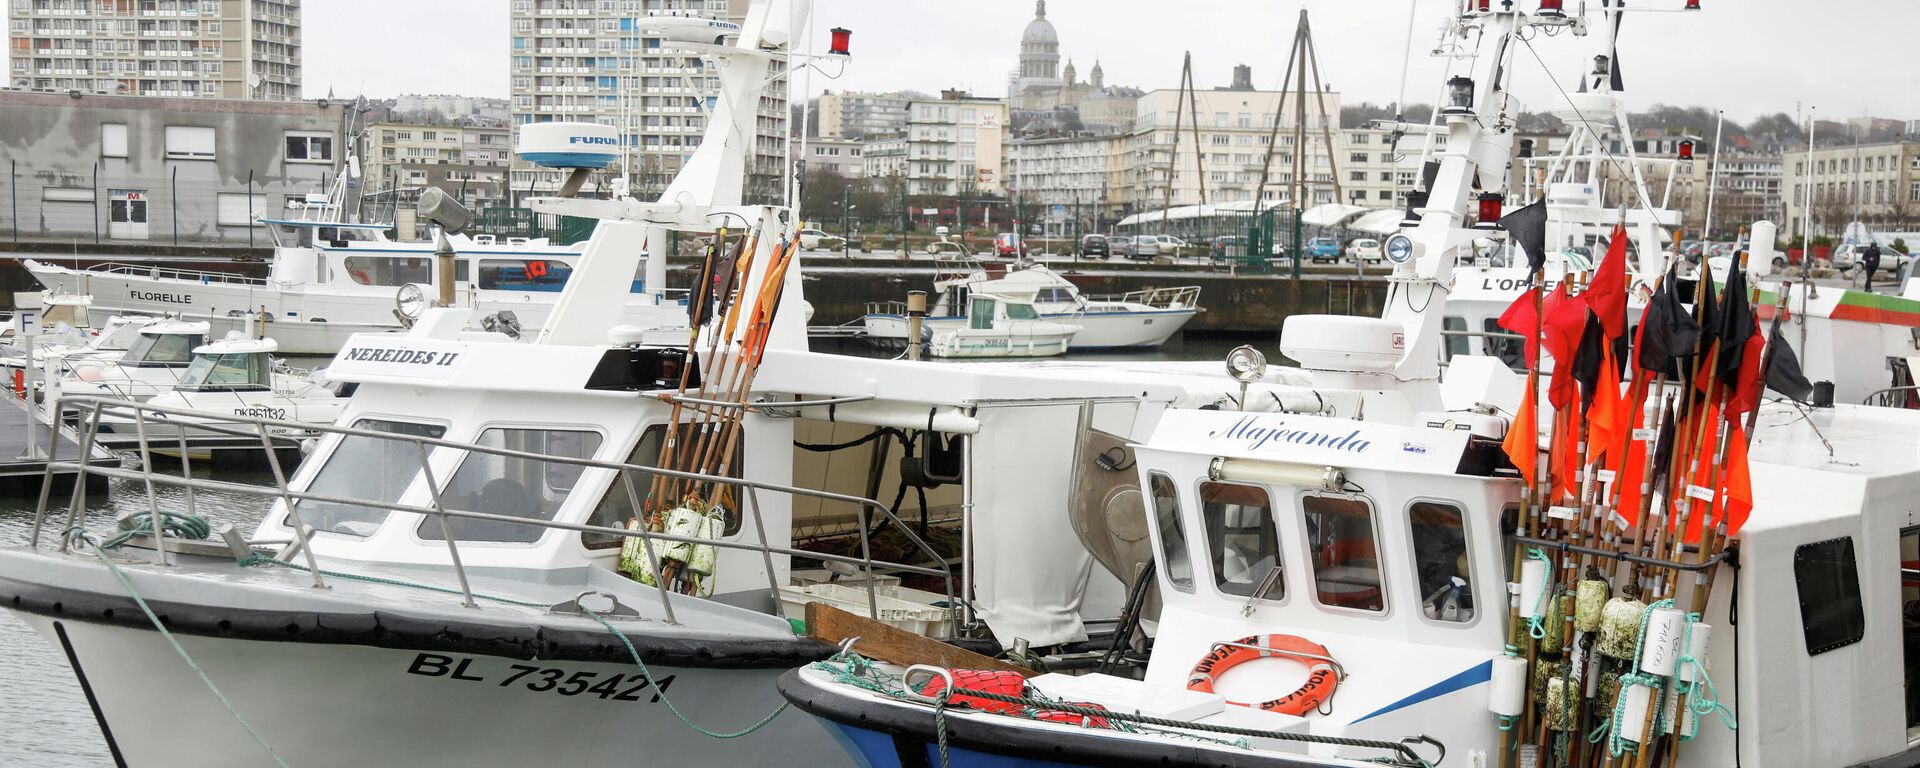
{"type": "Point", "coordinates": [1744, 56]}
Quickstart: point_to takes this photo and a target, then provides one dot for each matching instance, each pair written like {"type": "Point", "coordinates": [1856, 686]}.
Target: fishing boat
{"type": "Point", "coordinates": [568, 546]}
{"type": "Point", "coordinates": [331, 278]}
{"type": "Point", "coordinates": [1142, 319]}
{"type": "Point", "coordinates": [59, 328]}
{"type": "Point", "coordinates": [1484, 569]}
{"type": "Point", "coordinates": [237, 375]}
{"type": "Point", "coordinates": [1002, 327]}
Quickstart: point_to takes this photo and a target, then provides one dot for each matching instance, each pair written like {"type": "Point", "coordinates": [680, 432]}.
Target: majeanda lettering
{"type": "Point", "coordinates": [1258, 435]}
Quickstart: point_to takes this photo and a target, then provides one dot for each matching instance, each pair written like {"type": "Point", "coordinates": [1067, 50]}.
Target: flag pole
{"type": "Point", "coordinates": [1527, 517]}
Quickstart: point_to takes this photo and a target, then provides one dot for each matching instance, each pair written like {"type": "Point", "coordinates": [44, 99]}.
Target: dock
{"type": "Point", "coordinates": [20, 473]}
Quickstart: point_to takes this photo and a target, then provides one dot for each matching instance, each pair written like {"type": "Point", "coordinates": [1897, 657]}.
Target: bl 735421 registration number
{"type": "Point", "coordinates": [617, 687]}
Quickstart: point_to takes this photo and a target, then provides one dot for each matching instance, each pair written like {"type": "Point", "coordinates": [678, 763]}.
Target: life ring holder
{"type": "Point", "coordinates": [1316, 695]}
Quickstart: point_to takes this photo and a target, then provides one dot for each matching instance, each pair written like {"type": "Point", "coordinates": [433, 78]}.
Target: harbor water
{"type": "Point", "coordinates": [44, 719]}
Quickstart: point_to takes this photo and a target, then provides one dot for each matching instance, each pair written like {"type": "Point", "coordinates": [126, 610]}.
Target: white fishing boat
{"type": "Point", "coordinates": [331, 278]}
{"type": "Point", "coordinates": [59, 328]}
{"type": "Point", "coordinates": [1465, 613]}
{"type": "Point", "coordinates": [1002, 327]}
{"type": "Point", "coordinates": [234, 375]}
{"type": "Point", "coordinates": [478, 535]}
{"type": "Point", "coordinates": [1137, 320]}
{"type": "Point", "coordinates": [150, 366]}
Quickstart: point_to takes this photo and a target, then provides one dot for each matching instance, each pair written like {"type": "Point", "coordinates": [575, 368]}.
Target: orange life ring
{"type": "Point", "coordinates": [536, 269]}
{"type": "Point", "coordinates": [1321, 675]}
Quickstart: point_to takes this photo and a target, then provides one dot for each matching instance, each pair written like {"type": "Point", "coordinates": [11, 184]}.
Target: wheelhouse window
{"type": "Point", "coordinates": [233, 372]}
{"type": "Point", "coordinates": [1510, 350]}
{"type": "Point", "coordinates": [1175, 562]}
{"type": "Point", "coordinates": [1242, 541]}
{"type": "Point", "coordinates": [512, 486]}
{"type": "Point", "coordinates": [367, 468]}
{"type": "Point", "coordinates": [157, 350]}
{"type": "Point", "coordinates": [383, 271]}
{"type": "Point", "coordinates": [1346, 565]}
{"type": "Point", "coordinates": [1018, 311]}
{"type": "Point", "coordinates": [1455, 343]}
{"type": "Point", "coordinates": [616, 508]}
{"type": "Point", "coordinates": [1441, 560]}
{"type": "Point", "coordinates": [523, 275]}
{"type": "Point", "coordinates": [980, 315]}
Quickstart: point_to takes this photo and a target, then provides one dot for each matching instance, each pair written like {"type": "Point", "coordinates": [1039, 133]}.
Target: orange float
{"type": "Point", "coordinates": [1321, 675]}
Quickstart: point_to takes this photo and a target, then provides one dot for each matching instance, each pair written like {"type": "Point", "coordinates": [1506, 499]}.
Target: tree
{"type": "Point", "coordinates": [821, 194]}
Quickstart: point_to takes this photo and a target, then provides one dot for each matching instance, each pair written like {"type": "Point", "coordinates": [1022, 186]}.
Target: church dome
{"type": "Point", "coordinates": [1040, 30]}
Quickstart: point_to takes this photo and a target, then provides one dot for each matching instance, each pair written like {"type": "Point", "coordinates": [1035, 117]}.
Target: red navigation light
{"type": "Point", "coordinates": [1693, 5]}
{"type": "Point", "coordinates": [1553, 8]}
{"type": "Point", "coordinates": [1490, 203]}
{"type": "Point", "coordinates": [841, 41]}
{"type": "Point", "coordinates": [1686, 150]}
{"type": "Point", "coordinates": [1484, 5]}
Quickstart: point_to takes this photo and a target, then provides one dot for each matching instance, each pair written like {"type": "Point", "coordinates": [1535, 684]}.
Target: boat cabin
{"type": "Point", "coordinates": [165, 344]}
{"type": "Point", "coordinates": [232, 364]}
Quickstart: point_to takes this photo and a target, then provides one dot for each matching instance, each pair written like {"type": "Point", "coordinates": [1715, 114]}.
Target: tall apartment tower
{"type": "Point", "coordinates": [593, 61]}
{"type": "Point", "coordinates": [226, 49]}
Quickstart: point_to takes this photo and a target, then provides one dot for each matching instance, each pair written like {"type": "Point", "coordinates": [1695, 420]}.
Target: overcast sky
{"type": "Point", "coordinates": [1746, 57]}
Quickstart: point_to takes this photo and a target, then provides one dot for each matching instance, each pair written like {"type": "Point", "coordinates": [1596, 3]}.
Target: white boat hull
{"type": "Point", "coordinates": [349, 705]}
{"type": "Point", "coordinates": [1098, 330]}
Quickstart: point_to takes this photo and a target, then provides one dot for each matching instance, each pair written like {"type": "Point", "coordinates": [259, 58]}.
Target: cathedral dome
{"type": "Point", "coordinates": [1040, 30]}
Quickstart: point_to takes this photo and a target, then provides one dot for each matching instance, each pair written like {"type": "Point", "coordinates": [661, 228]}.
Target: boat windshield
{"type": "Point", "coordinates": [1018, 311]}
{"type": "Point", "coordinates": [233, 372]}
{"type": "Point", "coordinates": [162, 349]}
{"type": "Point", "coordinates": [369, 468]}
{"type": "Point", "coordinates": [512, 486]}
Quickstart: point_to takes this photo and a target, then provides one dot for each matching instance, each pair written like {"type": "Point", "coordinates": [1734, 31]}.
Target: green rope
{"type": "Point", "coordinates": [1617, 743]}
{"type": "Point", "coordinates": [1703, 697]}
{"type": "Point", "coordinates": [177, 525]}
{"type": "Point", "coordinates": [1535, 627]}
{"type": "Point", "coordinates": [80, 534]}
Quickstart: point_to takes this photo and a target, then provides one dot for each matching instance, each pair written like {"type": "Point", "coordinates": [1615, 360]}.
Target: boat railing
{"type": "Point", "coordinates": [287, 498]}
{"type": "Point", "coordinates": [887, 308]}
{"type": "Point", "coordinates": [170, 273]}
{"type": "Point", "coordinates": [1894, 397]}
{"type": "Point", "coordinates": [1182, 297]}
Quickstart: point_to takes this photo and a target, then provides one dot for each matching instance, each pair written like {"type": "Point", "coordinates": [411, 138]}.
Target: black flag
{"type": "Point", "coordinates": [1736, 323]}
{"type": "Point", "coordinates": [1588, 359]}
{"type": "Point", "coordinates": [1662, 452]}
{"type": "Point", "coordinates": [1528, 226]}
{"type": "Point", "coordinates": [1707, 312]}
{"type": "Point", "coordinates": [1783, 369]}
{"type": "Point", "coordinates": [1667, 332]}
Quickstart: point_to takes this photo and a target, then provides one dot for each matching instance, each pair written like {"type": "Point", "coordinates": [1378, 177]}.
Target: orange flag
{"type": "Point", "coordinates": [1523, 436]}
{"type": "Point", "coordinates": [1564, 457]}
{"type": "Point", "coordinates": [1607, 418]}
{"type": "Point", "coordinates": [1631, 473]}
{"type": "Point", "coordinates": [1737, 482]}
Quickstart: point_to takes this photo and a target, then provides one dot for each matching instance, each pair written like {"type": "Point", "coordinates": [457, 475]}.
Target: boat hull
{"type": "Point", "coordinates": [327, 704]}
{"type": "Point", "coordinates": [1098, 330]}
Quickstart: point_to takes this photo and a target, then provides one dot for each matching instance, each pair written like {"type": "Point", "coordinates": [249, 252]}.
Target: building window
{"type": "Point", "coordinates": [309, 148]}
{"type": "Point", "coordinates": [189, 142]}
{"type": "Point", "coordinates": [113, 139]}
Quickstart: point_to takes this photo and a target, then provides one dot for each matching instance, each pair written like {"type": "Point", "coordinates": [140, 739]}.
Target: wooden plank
{"type": "Point", "coordinates": [895, 646]}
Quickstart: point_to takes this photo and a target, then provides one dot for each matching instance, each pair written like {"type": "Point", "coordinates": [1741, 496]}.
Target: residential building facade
{"type": "Point", "coordinates": [833, 155]}
{"type": "Point", "coordinates": [221, 49]}
{"type": "Point", "coordinates": [1071, 184]}
{"type": "Point", "coordinates": [884, 156]}
{"type": "Point", "coordinates": [160, 170]}
{"type": "Point", "coordinates": [1237, 137]}
{"type": "Point", "coordinates": [1875, 183]}
{"type": "Point", "coordinates": [856, 114]}
{"type": "Point", "coordinates": [469, 162]}
{"type": "Point", "coordinates": [595, 61]}
{"type": "Point", "coordinates": [955, 145]}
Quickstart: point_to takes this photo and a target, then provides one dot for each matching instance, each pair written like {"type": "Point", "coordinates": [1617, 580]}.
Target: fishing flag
{"type": "Point", "coordinates": [1566, 318]}
{"type": "Point", "coordinates": [1737, 324]}
{"type": "Point", "coordinates": [1523, 436]}
{"type": "Point", "coordinates": [1608, 416]}
{"type": "Point", "coordinates": [1528, 226]}
{"type": "Point", "coordinates": [1629, 471]}
{"type": "Point", "coordinates": [1667, 332]}
{"type": "Point", "coordinates": [1563, 454]}
{"type": "Point", "coordinates": [1607, 294]}
{"type": "Point", "coordinates": [1736, 482]}
{"type": "Point", "coordinates": [1743, 392]}
{"type": "Point", "coordinates": [1783, 369]}
{"type": "Point", "coordinates": [1523, 317]}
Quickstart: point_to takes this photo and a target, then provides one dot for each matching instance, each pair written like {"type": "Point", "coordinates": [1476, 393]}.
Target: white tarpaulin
{"type": "Point", "coordinates": [1331, 214]}
{"type": "Point", "coordinates": [1378, 222]}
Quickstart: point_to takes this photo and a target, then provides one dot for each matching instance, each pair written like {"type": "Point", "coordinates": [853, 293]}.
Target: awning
{"type": "Point", "coordinates": [1378, 222]}
{"type": "Point", "coordinates": [1331, 214]}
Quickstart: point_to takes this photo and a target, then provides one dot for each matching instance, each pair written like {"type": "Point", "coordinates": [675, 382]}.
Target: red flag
{"type": "Point", "coordinates": [1566, 319]}
{"type": "Point", "coordinates": [1701, 481]}
{"type": "Point", "coordinates": [1607, 417]}
{"type": "Point", "coordinates": [1563, 456]}
{"type": "Point", "coordinates": [1737, 482]}
{"type": "Point", "coordinates": [1744, 394]}
{"type": "Point", "coordinates": [1607, 293]}
{"type": "Point", "coordinates": [1523, 319]}
{"type": "Point", "coordinates": [1628, 479]}
{"type": "Point", "coordinates": [1523, 436]}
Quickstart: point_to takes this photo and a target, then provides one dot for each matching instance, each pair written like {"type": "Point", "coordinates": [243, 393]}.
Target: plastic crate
{"type": "Point", "coordinates": [899, 607]}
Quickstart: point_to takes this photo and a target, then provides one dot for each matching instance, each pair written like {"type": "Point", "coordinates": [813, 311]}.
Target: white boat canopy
{"type": "Point", "coordinates": [1331, 214]}
{"type": "Point", "coordinates": [1184, 212]}
{"type": "Point", "coordinates": [1378, 222]}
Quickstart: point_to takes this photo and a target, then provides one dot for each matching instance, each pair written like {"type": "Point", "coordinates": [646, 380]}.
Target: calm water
{"type": "Point", "coordinates": [44, 719]}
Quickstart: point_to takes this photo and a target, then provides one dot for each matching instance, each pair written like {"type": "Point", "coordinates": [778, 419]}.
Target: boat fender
{"type": "Point", "coordinates": [1322, 676]}
{"type": "Point", "coordinates": [1508, 689]}
{"type": "Point", "coordinates": [1660, 648]}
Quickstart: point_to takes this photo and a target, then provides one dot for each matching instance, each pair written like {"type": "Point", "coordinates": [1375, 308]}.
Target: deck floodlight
{"type": "Point", "coordinates": [1459, 96]}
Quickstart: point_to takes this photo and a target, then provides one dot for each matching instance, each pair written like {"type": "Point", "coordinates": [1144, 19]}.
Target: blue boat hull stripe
{"type": "Point", "coordinates": [1467, 678]}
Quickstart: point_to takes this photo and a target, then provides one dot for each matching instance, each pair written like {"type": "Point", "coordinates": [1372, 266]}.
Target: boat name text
{"type": "Point", "coordinates": [164, 298]}
{"type": "Point", "coordinates": [400, 356]}
{"type": "Point", "coordinates": [539, 679]}
{"type": "Point", "coordinates": [1258, 435]}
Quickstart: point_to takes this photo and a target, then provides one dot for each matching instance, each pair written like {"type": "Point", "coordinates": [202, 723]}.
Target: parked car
{"type": "Point", "coordinates": [1145, 247]}
{"type": "Point", "coordinates": [810, 239]}
{"type": "Point", "coordinates": [1322, 249]}
{"type": "Point", "coordinates": [1121, 245]}
{"type": "Point", "coordinates": [1095, 245]}
{"type": "Point", "coordinates": [1365, 249]}
{"type": "Point", "coordinates": [1171, 246]}
{"type": "Point", "coordinates": [1010, 245]}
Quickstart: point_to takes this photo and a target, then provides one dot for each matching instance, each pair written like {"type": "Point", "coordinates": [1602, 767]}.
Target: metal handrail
{"type": "Point", "coordinates": [171, 273]}
{"type": "Point", "coordinates": [209, 421]}
{"type": "Point", "coordinates": [1885, 398]}
{"type": "Point", "coordinates": [1179, 297]}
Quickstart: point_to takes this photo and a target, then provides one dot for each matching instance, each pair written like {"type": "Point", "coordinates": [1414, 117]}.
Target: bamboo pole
{"type": "Point", "coordinates": [1527, 517]}
{"type": "Point", "coordinates": [670, 442]}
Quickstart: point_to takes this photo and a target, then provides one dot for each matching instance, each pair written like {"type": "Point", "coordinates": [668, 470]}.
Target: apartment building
{"type": "Point", "coordinates": [594, 61]}
{"type": "Point", "coordinates": [1875, 183]}
{"type": "Point", "coordinates": [833, 155]}
{"type": "Point", "coordinates": [1071, 183]}
{"type": "Point", "coordinates": [955, 145]}
{"type": "Point", "coordinates": [470, 162]}
{"type": "Point", "coordinates": [96, 168]}
{"type": "Point", "coordinates": [884, 155]}
{"type": "Point", "coordinates": [1236, 130]}
{"type": "Point", "coordinates": [222, 49]}
{"type": "Point", "coordinates": [857, 114]}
